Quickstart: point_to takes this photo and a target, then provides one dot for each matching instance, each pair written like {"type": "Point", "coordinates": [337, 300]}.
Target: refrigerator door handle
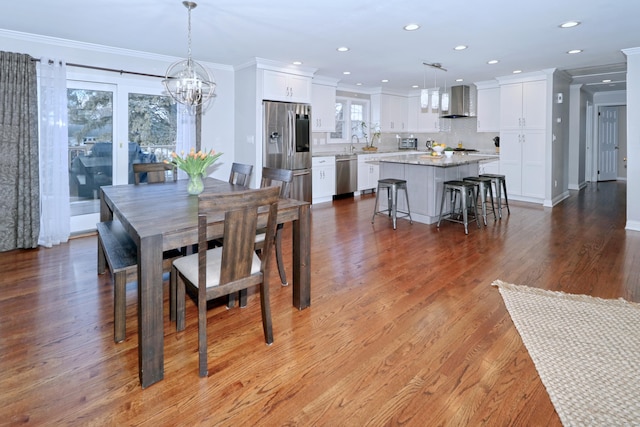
{"type": "Point", "coordinates": [290, 139]}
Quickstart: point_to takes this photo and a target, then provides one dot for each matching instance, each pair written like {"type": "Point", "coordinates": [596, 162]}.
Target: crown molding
{"type": "Point", "coordinates": [73, 44]}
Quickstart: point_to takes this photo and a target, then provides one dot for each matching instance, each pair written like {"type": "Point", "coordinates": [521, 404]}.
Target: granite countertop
{"type": "Point", "coordinates": [358, 152]}
{"type": "Point", "coordinates": [438, 161]}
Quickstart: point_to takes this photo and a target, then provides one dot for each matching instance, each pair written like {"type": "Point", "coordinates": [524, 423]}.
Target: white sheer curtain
{"type": "Point", "coordinates": [54, 161]}
{"type": "Point", "coordinates": [186, 138]}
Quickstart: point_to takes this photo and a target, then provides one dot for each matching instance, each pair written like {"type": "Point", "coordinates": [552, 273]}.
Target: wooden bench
{"type": "Point", "coordinates": [120, 252]}
{"type": "Point", "coordinates": [121, 255]}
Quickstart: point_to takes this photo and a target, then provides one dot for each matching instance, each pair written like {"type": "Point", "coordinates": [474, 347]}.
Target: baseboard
{"type": "Point", "coordinates": [632, 226]}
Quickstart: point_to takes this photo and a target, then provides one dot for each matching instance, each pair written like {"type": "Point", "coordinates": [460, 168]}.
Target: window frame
{"type": "Point", "coordinates": [348, 126]}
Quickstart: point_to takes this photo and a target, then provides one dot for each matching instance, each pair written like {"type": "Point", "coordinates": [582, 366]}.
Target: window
{"type": "Point", "coordinates": [350, 113]}
{"type": "Point", "coordinates": [153, 124]}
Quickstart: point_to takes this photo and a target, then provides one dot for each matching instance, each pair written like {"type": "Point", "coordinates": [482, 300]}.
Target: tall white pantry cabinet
{"type": "Point", "coordinates": [523, 136]}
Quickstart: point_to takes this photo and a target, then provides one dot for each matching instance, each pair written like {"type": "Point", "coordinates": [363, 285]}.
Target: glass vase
{"type": "Point", "coordinates": [195, 185]}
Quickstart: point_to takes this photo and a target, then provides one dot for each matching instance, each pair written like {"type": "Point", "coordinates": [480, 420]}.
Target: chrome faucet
{"type": "Point", "coordinates": [357, 141]}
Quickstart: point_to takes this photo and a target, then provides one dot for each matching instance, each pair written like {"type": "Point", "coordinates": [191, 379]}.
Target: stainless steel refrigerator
{"type": "Point", "coordinates": [287, 136]}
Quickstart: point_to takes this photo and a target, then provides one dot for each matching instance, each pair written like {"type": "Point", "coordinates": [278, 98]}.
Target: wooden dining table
{"type": "Point", "coordinates": [160, 217]}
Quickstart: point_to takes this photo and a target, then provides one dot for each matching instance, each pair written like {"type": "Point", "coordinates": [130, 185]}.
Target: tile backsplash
{"type": "Point", "coordinates": [457, 130]}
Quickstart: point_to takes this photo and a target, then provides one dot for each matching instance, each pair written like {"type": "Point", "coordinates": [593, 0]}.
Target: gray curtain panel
{"type": "Point", "coordinates": [19, 178]}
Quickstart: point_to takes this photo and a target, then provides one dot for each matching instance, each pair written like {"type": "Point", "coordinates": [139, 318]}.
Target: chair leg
{"type": "Point", "coordinates": [394, 204]}
{"type": "Point", "coordinates": [406, 196]}
{"type": "Point", "coordinates": [202, 337]}
{"type": "Point", "coordinates": [266, 312]}
{"type": "Point", "coordinates": [172, 294]}
{"type": "Point", "coordinates": [119, 306]}
{"type": "Point", "coordinates": [475, 204]}
{"type": "Point", "coordinates": [283, 274]}
{"type": "Point", "coordinates": [243, 298]}
{"type": "Point", "coordinates": [231, 300]}
{"type": "Point", "coordinates": [482, 193]}
{"type": "Point", "coordinates": [506, 199]}
{"type": "Point", "coordinates": [465, 218]}
{"type": "Point", "coordinates": [375, 206]}
{"type": "Point", "coordinates": [489, 188]}
{"type": "Point", "coordinates": [444, 196]}
{"type": "Point", "coordinates": [180, 302]}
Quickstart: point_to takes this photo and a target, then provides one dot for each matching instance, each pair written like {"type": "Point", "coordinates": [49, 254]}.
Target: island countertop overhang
{"type": "Point", "coordinates": [437, 161]}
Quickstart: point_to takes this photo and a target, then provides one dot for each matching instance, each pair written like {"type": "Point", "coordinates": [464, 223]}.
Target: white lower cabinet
{"type": "Point", "coordinates": [368, 173]}
{"type": "Point", "coordinates": [522, 161]}
{"type": "Point", "coordinates": [323, 178]}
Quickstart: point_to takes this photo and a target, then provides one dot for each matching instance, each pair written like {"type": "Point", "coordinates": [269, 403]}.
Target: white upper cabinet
{"type": "Point", "coordinates": [523, 105]}
{"type": "Point", "coordinates": [488, 116]}
{"type": "Point", "coordinates": [422, 119]}
{"type": "Point", "coordinates": [323, 104]}
{"type": "Point", "coordinates": [278, 86]}
{"type": "Point", "coordinates": [390, 112]}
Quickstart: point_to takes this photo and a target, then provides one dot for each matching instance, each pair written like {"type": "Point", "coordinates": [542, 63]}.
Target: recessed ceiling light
{"type": "Point", "coordinates": [606, 81]}
{"type": "Point", "coordinates": [415, 86]}
{"type": "Point", "coordinates": [569, 24]}
{"type": "Point", "coordinates": [385, 80]}
{"type": "Point", "coordinates": [460, 47]}
{"type": "Point", "coordinates": [574, 51]}
{"type": "Point", "coordinates": [517, 71]}
{"type": "Point", "coordinates": [459, 80]}
{"type": "Point", "coordinates": [346, 73]}
{"type": "Point", "coordinates": [343, 49]}
{"type": "Point", "coordinates": [493, 61]}
{"type": "Point", "coordinates": [297, 62]}
{"type": "Point", "coordinates": [411, 27]}
{"type": "Point", "coordinates": [358, 84]}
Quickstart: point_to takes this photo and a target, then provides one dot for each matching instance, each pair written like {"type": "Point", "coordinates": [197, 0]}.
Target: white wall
{"type": "Point", "coordinates": [577, 138]}
{"type": "Point", "coordinates": [217, 121]}
{"type": "Point", "coordinates": [560, 139]}
{"type": "Point", "coordinates": [633, 139]}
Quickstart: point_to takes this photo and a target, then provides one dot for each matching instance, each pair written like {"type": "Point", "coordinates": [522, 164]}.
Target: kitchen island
{"type": "Point", "coordinates": [424, 175]}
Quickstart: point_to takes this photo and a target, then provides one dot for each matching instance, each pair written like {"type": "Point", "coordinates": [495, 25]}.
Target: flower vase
{"type": "Point", "coordinates": [195, 185]}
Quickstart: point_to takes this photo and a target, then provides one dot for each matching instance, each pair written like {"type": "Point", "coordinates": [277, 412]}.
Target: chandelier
{"type": "Point", "coordinates": [188, 82]}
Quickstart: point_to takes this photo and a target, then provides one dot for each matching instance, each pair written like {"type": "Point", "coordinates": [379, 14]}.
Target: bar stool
{"type": "Point", "coordinates": [484, 186]}
{"type": "Point", "coordinates": [500, 182]}
{"type": "Point", "coordinates": [392, 185]}
{"type": "Point", "coordinates": [468, 192]}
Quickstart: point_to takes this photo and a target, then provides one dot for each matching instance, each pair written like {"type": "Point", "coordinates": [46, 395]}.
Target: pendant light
{"type": "Point", "coordinates": [186, 81]}
{"type": "Point", "coordinates": [435, 92]}
{"type": "Point", "coordinates": [424, 93]}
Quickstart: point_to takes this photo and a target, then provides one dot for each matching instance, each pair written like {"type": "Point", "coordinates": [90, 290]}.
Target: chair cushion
{"type": "Point", "coordinates": [188, 266]}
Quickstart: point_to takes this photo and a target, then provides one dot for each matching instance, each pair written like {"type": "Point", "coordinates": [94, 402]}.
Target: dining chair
{"type": "Point", "coordinates": [212, 273]}
{"type": "Point", "coordinates": [240, 174]}
{"type": "Point", "coordinates": [283, 179]}
{"type": "Point", "coordinates": [156, 172]}
{"type": "Point", "coordinates": [271, 177]}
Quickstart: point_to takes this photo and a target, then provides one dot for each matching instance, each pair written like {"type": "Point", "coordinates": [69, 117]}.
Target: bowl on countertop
{"type": "Point", "coordinates": [438, 149]}
{"type": "Point", "coordinates": [448, 153]}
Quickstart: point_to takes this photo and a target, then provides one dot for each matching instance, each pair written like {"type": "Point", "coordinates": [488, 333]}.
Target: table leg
{"type": "Point", "coordinates": [150, 324]}
{"type": "Point", "coordinates": [302, 258]}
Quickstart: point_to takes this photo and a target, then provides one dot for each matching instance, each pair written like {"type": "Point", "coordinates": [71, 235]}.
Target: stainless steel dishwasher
{"type": "Point", "coordinates": [346, 174]}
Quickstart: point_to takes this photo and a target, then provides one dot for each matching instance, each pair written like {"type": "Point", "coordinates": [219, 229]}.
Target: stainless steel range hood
{"type": "Point", "coordinates": [460, 105]}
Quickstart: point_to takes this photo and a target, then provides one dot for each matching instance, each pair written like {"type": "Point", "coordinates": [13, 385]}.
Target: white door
{"type": "Point", "coordinates": [91, 126]}
{"type": "Point", "coordinates": [608, 144]}
{"type": "Point", "coordinates": [112, 126]}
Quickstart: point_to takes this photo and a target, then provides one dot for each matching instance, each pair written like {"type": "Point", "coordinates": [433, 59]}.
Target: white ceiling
{"type": "Point", "coordinates": [521, 35]}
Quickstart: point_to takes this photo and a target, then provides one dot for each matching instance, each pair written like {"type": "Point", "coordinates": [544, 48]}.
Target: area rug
{"type": "Point", "coordinates": [586, 351]}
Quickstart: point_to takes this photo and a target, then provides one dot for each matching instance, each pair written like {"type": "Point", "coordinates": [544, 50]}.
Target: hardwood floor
{"type": "Point", "coordinates": [404, 326]}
